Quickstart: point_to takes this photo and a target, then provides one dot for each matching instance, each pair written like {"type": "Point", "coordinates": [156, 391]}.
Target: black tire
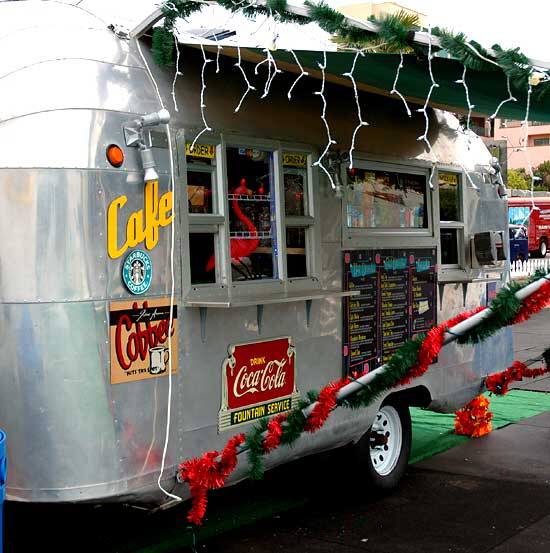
{"type": "Point", "coordinates": [543, 248]}
{"type": "Point", "coordinates": [520, 257]}
{"type": "Point", "coordinates": [384, 469]}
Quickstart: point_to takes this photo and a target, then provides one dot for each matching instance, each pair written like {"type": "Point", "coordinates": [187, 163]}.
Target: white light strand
{"type": "Point", "coordinates": [203, 105]}
{"type": "Point", "coordinates": [466, 172]}
{"type": "Point", "coordinates": [249, 87]}
{"type": "Point", "coordinates": [509, 99]}
{"type": "Point", "coordinates": [481, 56]}
{"type": "Point", "coordinates": [330, 141]}
{"type": "Point", "coordinates": [272, 70]}
{"type": "Point", "coordinates": [424, 110]}
{"type": "Point", "coordinates": [359, 114]}
{"type": "Point", "coordinates": [470, 105]}
{"type": "Point", "coordinates": [218, 57]}
{"type": "Point", "coordinates": [177, 73]}
{"type": "Point", "coordinates": [172, 290]}
{"type": "Point", "coordinates": [394, 88]}
{"type": "Point", "coordinates": [302, 74]}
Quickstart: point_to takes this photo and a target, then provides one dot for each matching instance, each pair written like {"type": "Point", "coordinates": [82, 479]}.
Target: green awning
{"type": "Point", "coordinates": [376, 73]}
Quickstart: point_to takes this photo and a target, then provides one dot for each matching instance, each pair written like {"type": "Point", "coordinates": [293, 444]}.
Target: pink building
{"type": "Point", "coordinates": [538, 142]}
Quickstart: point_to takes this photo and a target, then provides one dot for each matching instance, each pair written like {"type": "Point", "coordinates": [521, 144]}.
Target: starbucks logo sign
{"type": "Point", "coordinates": [137, 272]}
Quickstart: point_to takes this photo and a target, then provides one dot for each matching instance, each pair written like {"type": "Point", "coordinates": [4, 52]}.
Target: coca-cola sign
{"type": "Point", "coordinates": [144, 340]}
{"type": "Point", "coordinates": [258, 380]}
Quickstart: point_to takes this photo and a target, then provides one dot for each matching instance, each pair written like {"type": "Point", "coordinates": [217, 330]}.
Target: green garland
{"type": "Point", "coordinates": [503, 310]}
{"type": "Point", "coordinates": [392, 31]}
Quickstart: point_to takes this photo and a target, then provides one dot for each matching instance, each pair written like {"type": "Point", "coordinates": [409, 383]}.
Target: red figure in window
{"type": "Point", "coordinates": [240, 247]}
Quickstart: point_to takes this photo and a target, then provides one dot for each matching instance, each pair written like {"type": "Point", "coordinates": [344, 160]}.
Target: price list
{"type": "Point", "coordinates": [422, 294]}
{"type": "Point", "coordinates": [361, 312]}
{"type": "Point", "coordinates": [397, 299]}
{"type": "Point", "coordinates": [394, 301]}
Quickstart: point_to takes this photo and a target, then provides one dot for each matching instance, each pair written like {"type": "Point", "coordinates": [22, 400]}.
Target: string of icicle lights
{"type": "Point", "coordinates": [330, 140]}
{"type": "Point", "coordinates": [272, 70]}
{"type": "Point", "coordinates": [424, 110]}
{"type": "Point", "coordinates": [361, 123]}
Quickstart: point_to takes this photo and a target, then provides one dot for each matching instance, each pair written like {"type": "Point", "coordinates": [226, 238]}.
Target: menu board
{"type": "Point", "coordinates": [397, 300]}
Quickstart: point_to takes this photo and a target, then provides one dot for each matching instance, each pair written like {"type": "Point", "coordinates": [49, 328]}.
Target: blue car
{"type": "Point", "coordinates": [519, 244]}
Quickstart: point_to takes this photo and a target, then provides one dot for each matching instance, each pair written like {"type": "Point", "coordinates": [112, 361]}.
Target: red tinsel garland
{"type": "Point", "coordinates": [206, 473]}
{"type": "Point", "coordinates": [533, 303]}
{"type": "Point", "coordinates": [325, 404]}
{"type": "Point", "coordinates": [274, 432]}
{"type": "Point", "coordinates": [499, 383]}
{"type": "Point", "coordinates": [474, 420]}
{"type": "Point", "coordinates": [432, 344]}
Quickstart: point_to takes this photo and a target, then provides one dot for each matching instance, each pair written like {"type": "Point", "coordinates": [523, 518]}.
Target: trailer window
{"type": "Point", "coordinates": [201, 177]}
{"type": "Point", "coordinates": [450, 219]}
{"type": "Point", "coordinates": [251, 206]}
{"type": "Point", "coordinates": [251, 218]}
{"type": "Point", "coordinates": [202, 254]}
{"type": "Point", "coordinates": [384, 199]}
{"type": "Point", "coordinates": [299, 223]}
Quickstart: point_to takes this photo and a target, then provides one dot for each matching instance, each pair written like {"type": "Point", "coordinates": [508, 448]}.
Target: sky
{"type": "Point", "coordinates": [510, 23]}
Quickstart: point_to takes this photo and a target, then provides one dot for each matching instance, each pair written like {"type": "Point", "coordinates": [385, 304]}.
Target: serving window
{"type": "Point", "coordinates": [386, 200]}
{"type": "Point", "coordinates": [451, 219]}
{"type": "Point", "coordinates": [251, 205]}
{"type": "Point", "coordinates": [201, 177]}
{"type": "Point", "coordinates": [251, 218]}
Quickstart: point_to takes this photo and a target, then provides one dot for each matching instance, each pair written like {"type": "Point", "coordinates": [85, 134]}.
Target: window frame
{"type": "Point", "coordinates": [451, 271]}
{"type": "Point", "coordinates": [460, 226]}
{"type": "Point", "coordinates": [353, 237]}
{"type": "Point", "coordinates": [218, 222]}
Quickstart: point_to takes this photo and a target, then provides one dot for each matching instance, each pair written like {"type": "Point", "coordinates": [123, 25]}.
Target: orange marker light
{"type": "Point", "coordinates": [115, 155]}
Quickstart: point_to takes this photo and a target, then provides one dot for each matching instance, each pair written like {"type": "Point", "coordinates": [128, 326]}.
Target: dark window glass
{"type": "Point", "coordinates": [382, 199]}
{"type": "Point", "coordinates": [295, 182]}
{"type": "Point", "coordinates": [199, 192]}
{"type": "Point", "coordinates": [542, 141]}
{"type": "Point", "coordinates": [251, 203]}
{"type": "Point", "coordinates": [449, 246]}
{"type": "Point", "coordinates": [449, 197]}
{"type": "Point", "coordinates": [296, 252]}
{"type": "Point", "coordinates": [201, 249]}
{"type": "Point", "coordinates": [200, 174]}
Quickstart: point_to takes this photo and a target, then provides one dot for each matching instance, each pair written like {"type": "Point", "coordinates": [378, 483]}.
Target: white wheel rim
{"type": "Point", "coordinates": [543, 248]}
{"type": "Point", "coordinates": [387, 425]}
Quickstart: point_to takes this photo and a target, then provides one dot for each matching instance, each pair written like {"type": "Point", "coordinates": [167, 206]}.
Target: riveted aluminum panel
{"type": "Point", "coordinates": [54, 228]}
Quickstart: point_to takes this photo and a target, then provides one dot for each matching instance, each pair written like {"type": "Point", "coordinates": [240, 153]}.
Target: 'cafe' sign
{"type": "Point", "coordinates": [143, 224]}
{"type": "Point", "coordinates": [258, 380]}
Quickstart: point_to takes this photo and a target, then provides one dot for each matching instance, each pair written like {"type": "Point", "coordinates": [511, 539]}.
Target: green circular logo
{"type": "Point", "coordinates": [137, 272]}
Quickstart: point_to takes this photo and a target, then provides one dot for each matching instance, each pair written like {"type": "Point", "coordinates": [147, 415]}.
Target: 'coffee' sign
{"type": "Point", "coordinates": [258, 380]}
{"type": "Point", "coordinates": [144, 339]}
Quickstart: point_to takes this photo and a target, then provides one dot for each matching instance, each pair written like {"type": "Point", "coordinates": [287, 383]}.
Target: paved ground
{"type": "Point", "coordinates": [487, 495]}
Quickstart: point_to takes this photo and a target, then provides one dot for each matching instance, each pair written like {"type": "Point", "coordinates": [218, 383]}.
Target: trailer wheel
{"type": "Point", "coordinates": [383, 452]}
{"type": "Point", "coordinates": [543, 248]}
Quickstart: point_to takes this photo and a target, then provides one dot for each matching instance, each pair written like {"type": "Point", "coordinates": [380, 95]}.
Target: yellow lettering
{"type": "Point", "coordinates": [151, 214]}
{"type": "Point", "coordinates": [165, 207]}
{"type": "Point", "coordinates": [134, 229]}
{"type": "Point", "coordinates": [143, 224]}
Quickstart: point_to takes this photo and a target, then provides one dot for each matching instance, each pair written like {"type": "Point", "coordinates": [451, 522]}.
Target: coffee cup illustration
{"type": "Point", "coordinates": [158, 358]}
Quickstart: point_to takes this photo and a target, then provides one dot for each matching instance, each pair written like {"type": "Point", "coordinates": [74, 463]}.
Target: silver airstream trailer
{"type": "Point", "coordinates": [160, 292]}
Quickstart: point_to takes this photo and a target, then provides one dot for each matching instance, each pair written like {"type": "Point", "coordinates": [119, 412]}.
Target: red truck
{"type": "Point", "coordinates": [534, 213]}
